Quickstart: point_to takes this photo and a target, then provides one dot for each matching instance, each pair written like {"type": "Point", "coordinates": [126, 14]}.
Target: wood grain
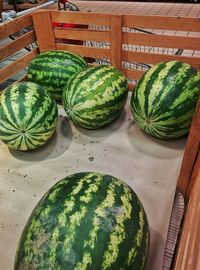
{"type": "Point", "coordinates": [85, 51]}
{"type": "Point", "coordinates": [81, 34]}
{"type": "Point", "coordinates": [133, 73]}
{"type": "Point", "coordinates": [45, 36]}
{"type": "Point", "coordinates": [116, 41]}
{"type": "Point", "coordinates": [193, 177]}
{"type": "Point", "coordinates": [162, 41]}
{"type": "Point", "coordinates": [18, 65]}
{"type": "Point", "coordinates": [17, 44]}
{"type": "Point", "coordinates": [162, 22]}
{"type": "Point", "coordinates": [84, 18]}
{"type": "Point", "coordinates": [189, 246]}
{"type": "Point", "coordinates": [154, 58]}
{"type": "Point", "coordinates": [190, 153]}
{"type": "Point", "coordinates": [15, 25]}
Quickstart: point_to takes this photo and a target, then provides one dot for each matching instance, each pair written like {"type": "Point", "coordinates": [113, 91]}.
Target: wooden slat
{"type": "Point", "coordinates": [14, 26]}
{"type": "Point", "coordinates": [187, 257]}
{"type": "Point", "coordinates": [133, 73]}
{"type": "Point", "coordinates": [81, 18]}
{"type": "Point", "coordinates": [85, 51]}
{"type": "Point", "coordinates": [193, 177]}
{"type": "Point", "coordinates": [81, 34]}
{"type": "Point", "coordinates": [154, 58]}
{"type": "Point", "coordinates": [43, 29]}
{"type": "Point", "coordinates": [17, 45]}
{"type": "Point", "coordinates": [18, 65]}
{"type": "Point", "coordinates": [191, 150]}
{"type": "Point", "coordinates": [116, 41]}
{"type": "Point", "coordinates": [162, 22]}
{"type": "Point", "coordinates": [163, 41]}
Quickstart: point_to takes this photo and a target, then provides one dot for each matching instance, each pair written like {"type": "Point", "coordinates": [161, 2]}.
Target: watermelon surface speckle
{"type": "Point", "coordinates": [28, 116]}
{"type": "Point", "coordinates": [52, 69]}
{"type": "Point", "coordinates": [164, 100]}
{"type": "Point", "coordinates": [86, 221]}
{"type": "Point", "coordinates": [95, 96]}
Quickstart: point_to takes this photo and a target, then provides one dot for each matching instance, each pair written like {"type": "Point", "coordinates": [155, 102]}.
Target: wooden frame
{"type": "Point", "coordinates": [114, 34]}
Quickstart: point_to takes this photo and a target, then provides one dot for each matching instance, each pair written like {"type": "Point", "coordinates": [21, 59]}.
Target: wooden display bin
{"type": "Point", "coordinates": [112, 30]}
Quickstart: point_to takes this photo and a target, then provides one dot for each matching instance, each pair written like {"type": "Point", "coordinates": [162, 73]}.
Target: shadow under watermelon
{"type": "Point", "coordinates": [106, 130]}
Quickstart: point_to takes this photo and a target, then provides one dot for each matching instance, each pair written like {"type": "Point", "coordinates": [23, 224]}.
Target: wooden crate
{"type": "Point", "coordinates": [149, 39]}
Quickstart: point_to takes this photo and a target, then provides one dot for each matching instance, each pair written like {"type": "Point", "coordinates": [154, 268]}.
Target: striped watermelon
{"type": "Point", "coordinates": [164, 99]}
{"type": "Point", "coordinates": [28, 116]}
{"type": "Point", "coordinates": [85, 221]}
{"type": "Point", "coordinates": [52, 69]}
{"type": "Point", "coordinates": [95, 96]}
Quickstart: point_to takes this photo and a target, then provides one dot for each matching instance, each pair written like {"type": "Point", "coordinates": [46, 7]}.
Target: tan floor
{"type": "Point", "coordinates": [170, 9]}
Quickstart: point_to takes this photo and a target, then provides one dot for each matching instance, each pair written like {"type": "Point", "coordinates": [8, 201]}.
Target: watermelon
{"type": "Point", "coordinates": [164, 100]}
{"type": "Point", "coordinates": [94, 97]}
{"type": "Point", "coordinates": [52, 69]}
{"type": "Point", "coordinates": [85, 221]}
{"type": "Point", "coordinates": [28, 116]}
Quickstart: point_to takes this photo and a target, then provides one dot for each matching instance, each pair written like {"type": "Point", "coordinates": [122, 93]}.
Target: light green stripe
{"type": "Point", "coordinates": [138, 239]}
{"type": "Point", "coordinates": [13, 95]}
{"type": "Point", "coordinates": [142, 87]}
{"type": "Point", "coordinates": [88, 85]}
{"type": "Point", "coordinates": [83, 265]}
{"type": "Point", "coordinates": [73, 221]}
{"type": "Point", "coordinates": [158, 86]}
{"type": "Point", "coordinates": [107, 94]}
{"type": "Point", "coordinates": [118, 233]}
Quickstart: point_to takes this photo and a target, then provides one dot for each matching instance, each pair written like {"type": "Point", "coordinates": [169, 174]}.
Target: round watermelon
{"type": "Point", "coordinates": [52, 69]}
{"type": "Point", "coordinates": [28, 116]}
{"type": "Point", "coordinates": [164, 100]}
{"type": "Point", "coordinates": [86, 221]}
{"type": "Point", "coordinates": [95, 96]}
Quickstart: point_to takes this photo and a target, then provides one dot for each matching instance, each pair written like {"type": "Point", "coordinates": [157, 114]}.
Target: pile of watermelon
{"type": "Point", "coordinates": [162, 103]}
{"type": "Point", "coordinates": [92, 98]}
{"type": "Point", "coordinates": [91, 220]}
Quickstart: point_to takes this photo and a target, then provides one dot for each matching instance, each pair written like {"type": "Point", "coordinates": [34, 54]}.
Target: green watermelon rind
{"type": "Point", "coordinates": [164, 100]}
{"type": "Point", "coordinates": [95, 97]}
{"type": "Point", "coordinates": [52, 69]}
{"type": "Point", "coordinates": [86, 221]}
{"type": "Point", "coordinates": [28, 116]}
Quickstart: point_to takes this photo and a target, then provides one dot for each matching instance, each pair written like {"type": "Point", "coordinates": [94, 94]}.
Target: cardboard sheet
{"type": "Point", "coordinates": [150, 166]}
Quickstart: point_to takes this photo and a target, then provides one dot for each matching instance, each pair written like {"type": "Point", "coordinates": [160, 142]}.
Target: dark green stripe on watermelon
{"type": "Point", "coordinates": [95, 96]}
{"type": "Point", "coordinates": [28, 116]}
{"type": "Point", "coordinates": [164, 100]}
{"type": "Point", "coordinates": [85, 221]}
{"type": "Point", "coordinates": [52, 69]}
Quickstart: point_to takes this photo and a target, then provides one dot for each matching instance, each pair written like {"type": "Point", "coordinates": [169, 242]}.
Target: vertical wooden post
{"type": "Point", "coordinates": [191, 151]}
{"type": "Point", "coordinates": [43, 29]}
{"type": "Point", "coordinates": [187, 257]}
{"type": "Point", "coordinates": [193, 177]}
{"type": "Point", "coordinates": [116, 40]}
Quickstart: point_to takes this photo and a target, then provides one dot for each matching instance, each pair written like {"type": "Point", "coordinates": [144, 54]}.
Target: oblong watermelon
{"type": "Point", "coordinates": [86, 221]}
{"type": "Point", "coordinates": [52, 69]}
{"type": "Point", "coordinates": [95, 96]}
{"type": "Point", "coordinates": [28, 116]}
{"type": "Point", "coordinates": [164, 100]}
